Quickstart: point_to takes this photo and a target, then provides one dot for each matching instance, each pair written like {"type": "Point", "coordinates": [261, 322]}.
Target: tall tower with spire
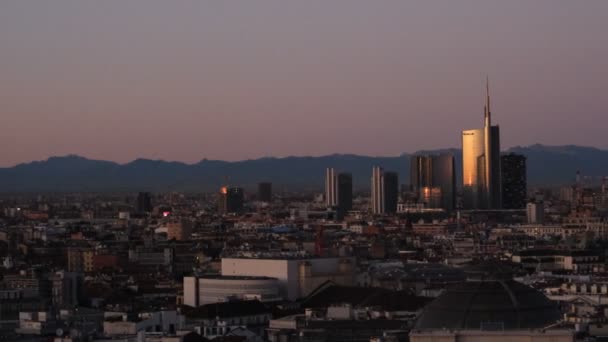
{"type": "Point", "coordinates": [481, 163]}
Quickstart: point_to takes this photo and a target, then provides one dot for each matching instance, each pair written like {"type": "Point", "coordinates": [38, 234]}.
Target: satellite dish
{"type": "Point", "coordinates": [59, 332]}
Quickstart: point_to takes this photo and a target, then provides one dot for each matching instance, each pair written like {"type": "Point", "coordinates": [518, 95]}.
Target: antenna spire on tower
{"type": "Point", "coordinates": [488, 91]}
{"type": "Point", "coordinates": [487, 106]}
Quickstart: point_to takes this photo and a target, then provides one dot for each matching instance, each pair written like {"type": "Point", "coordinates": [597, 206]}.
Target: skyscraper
{"type": "Point", "coordinates": [481, 164]}
{"type": "Point", "coordinates": [421, 171]}
{"type": "Point", "coordinates": [230, 200]}
{"type": "Point", "coordinates": [444, 178]}
{"type": "Point", "coordinates": [265, 192]}
{"type": "Point", "coordinates": [433, 180]}
{"type": "Point", "coordinates": [514, 187]}
{"type": "Point", "coordinates": [385, 191]}
{"type": "Point", "coordinates": [377, 190]}
{"type": "Point", "coordinates": [331, 188]}
{"type": "Point", "coordinates": [391, 192]}
{"type": "Point", "coordinates": [144, 202]}
{"type": "Point", "coordinates": [345, 192]}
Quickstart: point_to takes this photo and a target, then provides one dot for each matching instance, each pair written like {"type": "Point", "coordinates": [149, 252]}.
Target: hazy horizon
{"type": "Point", "coordinates": [503, 149]}
{"type": "Point", "coordinates": [186, 80]}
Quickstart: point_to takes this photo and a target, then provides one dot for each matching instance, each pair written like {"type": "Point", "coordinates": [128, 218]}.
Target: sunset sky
{"type": "Point", "coordinates": [187, 80]}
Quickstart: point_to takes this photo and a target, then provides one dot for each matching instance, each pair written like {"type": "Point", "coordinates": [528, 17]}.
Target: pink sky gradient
{"type": "Point", "coordinates": [186, 80]}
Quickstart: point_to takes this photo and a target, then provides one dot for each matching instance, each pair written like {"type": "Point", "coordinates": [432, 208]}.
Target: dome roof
{"type": "Point", "coordinates": [489, 304]}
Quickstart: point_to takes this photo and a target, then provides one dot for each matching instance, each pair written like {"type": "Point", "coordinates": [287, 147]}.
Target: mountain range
{"type": "Point", "coordinates": [547, 165]}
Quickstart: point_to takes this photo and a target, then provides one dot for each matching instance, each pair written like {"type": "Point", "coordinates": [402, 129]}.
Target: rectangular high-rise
{"type": "Point", "coordinates": [514, 186]}
{"type": "Point", "coordinates": [391, 192]}
{"type": "Point", "coordinates": [345, 193]}
{"type": "Point", "coordinates": [421, 172]}
{"type": "Point", "coordinates": [144, 202]}
{"type": "Point", "coordinates": [385, 191]}
{"type": "Point", "coordinates": [481, 179]}
{"type": "Point", "coordinates": [231, 199]}
{"type": "Point", "coordinates": [265, 192]}
{"type": "Point", "coordinates": [433, 180]}
{"type": "Point", "coordinates": [377, 199]}
{"type": "Point", "coordinates": [331, 188]}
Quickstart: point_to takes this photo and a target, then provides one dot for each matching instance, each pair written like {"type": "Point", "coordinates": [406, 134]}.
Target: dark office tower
{"type": "Point", "coordinates": [265, 192]}
{"type": "Point", "coordinates": [514, 186]}
{"type": "Point", "coordinates": [481, 164]}
{"type": "Point", "coordinates": [391, 192]}
{"type": "Point", "coordinates": [230, 200]}
{"type": "Point", "coordinates": [144, 202]}
{"type": "Point", "coordinates": [444, 178]}
{"type": "Point", "coordinates": [345, 192]}
{"type": "Point", "coordinates": [433, 180]}
{"type": "Point", "coordinates": [421, 173]}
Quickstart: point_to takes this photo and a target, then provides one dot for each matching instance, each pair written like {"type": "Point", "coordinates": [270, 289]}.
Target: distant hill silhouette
{"type": "Point", "coordinates": [547, 165]}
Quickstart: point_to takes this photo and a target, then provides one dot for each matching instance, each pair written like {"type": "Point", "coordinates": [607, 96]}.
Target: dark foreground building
{"type": "Point", "coordinates": [490, 306]}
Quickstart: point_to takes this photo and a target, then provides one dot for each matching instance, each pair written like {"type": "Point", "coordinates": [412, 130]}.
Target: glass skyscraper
{"type": "Point", "coordinates": [433, 180]}
{"type": "Point", "coordinates": [514, 187]}
{"type": "Point", "coordinates": [481, 178]}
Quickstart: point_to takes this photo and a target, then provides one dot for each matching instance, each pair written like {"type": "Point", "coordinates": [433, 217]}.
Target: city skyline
{"type": "Point", "coordinates": [312, 78]}
{"type": "Point", "coordinates": [312, 171]}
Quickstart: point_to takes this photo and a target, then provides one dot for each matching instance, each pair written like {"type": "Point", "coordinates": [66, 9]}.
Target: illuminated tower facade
{"type": "Point", "coordinates": [378, 191]}
{"type": "Point", "coordinates": [433, 180]}
{"type": "Point", "coordinates": [230, 199]}
{"type": "Point", "coordinates": [481, 164]}
{"type": "Point", "coordinates": [331, 188]}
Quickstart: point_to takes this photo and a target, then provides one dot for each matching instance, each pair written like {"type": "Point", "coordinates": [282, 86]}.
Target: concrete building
{"type": "Point", "coordinates": [576, 261]}
{"type": "Point", "coordinates": [80, 259]}
{"type": "Point", "coordinates": [337, 323]}
{"type": "Point", "coordinates": [37, 323]}
{"type": "Point", "coordinates": [179, 230]}
{"type": "Point", "coordinates": [219, 320]}
{"type": "Point", "coordinates": [66, 289]}
{"type": "Point", "coordinates": [297, 277]}
{"type": "Point", "coordinates": [160, 321]}
{"type": "Point", "coordinates": [216, 289]}
{"type": "Point", "coordinates": [535, 212]}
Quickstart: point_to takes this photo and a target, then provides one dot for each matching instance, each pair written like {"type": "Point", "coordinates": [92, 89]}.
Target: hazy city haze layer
{"type": "Point", "coordinates": [185, 80]}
